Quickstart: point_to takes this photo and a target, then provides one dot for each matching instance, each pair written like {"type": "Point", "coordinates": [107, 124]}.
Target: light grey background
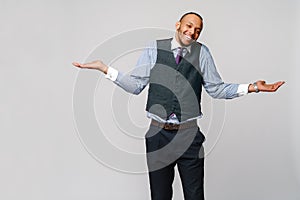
{"type": "Point", "coordinates": [257, 154]}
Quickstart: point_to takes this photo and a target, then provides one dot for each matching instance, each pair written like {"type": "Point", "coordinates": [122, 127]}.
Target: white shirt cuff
{"type": "Point", "coordinates": [242, 89]}
{"type": "Point", "coordinates": [112, 74]}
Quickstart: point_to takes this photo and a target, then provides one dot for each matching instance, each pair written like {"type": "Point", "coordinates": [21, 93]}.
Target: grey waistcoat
{"type": "Point", "coordinates": [175, 88]}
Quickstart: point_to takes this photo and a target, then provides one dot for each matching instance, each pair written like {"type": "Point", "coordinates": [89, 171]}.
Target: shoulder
{"type": "Point", "coordinates": [151, 43]}
{"type": "Point", "coordinates": [203, 47]}
{"type": "Point", "coordinates": [204, 52]}
{"type": "Point", "coordinates": [150, 46]}
{"type": "Point", "coordinates": [164, 40]}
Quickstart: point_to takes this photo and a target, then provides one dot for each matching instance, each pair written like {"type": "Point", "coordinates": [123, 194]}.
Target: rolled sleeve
{"type": "Point", "coordinates": [136, 80]}
{"type": "Point", "coordinates": [112, 74]}
{"type": "Point", "coordinates": [243, 89]}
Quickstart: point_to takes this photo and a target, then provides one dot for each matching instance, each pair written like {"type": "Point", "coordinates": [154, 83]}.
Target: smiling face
{"type": "Point", "coordinates": [188, 29]}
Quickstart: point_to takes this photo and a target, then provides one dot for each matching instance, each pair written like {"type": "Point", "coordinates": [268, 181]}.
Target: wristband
{"type": "Point", "coordinates": [255, 87]}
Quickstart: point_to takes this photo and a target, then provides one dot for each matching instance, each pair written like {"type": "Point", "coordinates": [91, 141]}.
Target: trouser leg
{"type": "Point", "coordinates": [161, 183]}
{"type": "Point", "coordinates": [161, 171]}
{"type": "Point", "coordinates": [184, 151]}
{"type": "Point", "coordinates": [191, 170]}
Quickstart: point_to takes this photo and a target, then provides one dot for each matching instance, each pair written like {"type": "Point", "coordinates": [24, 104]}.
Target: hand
{"type": "Point", "coordinates": [263, 87]}
{"type": "Point", "coordinates": [97, 64]}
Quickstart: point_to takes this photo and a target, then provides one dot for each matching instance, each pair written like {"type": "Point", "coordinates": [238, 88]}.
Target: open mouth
{"type": "Point", "coordinates": [188, 37]}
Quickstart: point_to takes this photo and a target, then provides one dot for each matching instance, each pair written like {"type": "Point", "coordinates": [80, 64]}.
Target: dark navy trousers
{"type": "Point", "coordinates": [168, 148]}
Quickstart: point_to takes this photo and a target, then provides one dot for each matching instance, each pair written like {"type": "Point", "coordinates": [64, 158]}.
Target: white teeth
{"type": "Point", "coordinates": [188, 37]}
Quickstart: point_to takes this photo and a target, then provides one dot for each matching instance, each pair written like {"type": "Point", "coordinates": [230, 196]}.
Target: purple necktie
{"type": "Point", "coordinates": [179, 55]}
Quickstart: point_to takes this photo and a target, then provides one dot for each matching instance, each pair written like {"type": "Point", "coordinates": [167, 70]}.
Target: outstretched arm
{"type": "Point", "coordinates": [216, 88]}
{"type": "Point", "coordinates": [134, 81]}
{"type": "Point", "coordinates": [261, 86]}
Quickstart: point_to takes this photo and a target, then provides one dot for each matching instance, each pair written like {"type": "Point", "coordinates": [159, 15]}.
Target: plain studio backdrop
{"type": "Point", "coordinates": [252, 151]}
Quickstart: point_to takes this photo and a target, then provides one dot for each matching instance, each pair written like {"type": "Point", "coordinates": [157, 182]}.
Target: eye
{"type": "Point", "coordinates": [188, 25]}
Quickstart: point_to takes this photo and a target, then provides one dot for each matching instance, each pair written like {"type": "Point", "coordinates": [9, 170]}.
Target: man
{"type": "Point", "coordinates": [176, 69]}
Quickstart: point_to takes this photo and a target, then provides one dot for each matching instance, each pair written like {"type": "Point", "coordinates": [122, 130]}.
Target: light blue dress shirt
{"type": "Point", "coordinates": [138, 78]}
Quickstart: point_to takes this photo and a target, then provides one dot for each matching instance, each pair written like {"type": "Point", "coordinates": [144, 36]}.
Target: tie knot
{"type": "Point", "coordinates": [180, 50]}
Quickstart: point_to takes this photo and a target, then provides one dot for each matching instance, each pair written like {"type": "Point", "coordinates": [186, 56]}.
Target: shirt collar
{"type": "Point", "coordinates": [175, 45]}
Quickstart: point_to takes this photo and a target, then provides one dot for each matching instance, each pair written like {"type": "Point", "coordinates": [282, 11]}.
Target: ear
{"type": "Point", "coordinates": [177, 25]}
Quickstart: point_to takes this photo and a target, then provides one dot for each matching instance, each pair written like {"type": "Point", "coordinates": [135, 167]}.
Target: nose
{"type": "Point", "coordinates": [192, 33]}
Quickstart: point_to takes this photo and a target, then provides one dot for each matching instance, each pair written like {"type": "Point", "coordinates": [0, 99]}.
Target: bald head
{"type": "Point", "coordinates": [188, 28]}
{"type": "Point", "coordinates": [191, 13]}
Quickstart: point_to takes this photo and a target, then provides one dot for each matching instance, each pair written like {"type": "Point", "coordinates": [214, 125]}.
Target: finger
{"type": "Point", "coordinates": [282, 82]}
{"type": "Point", "coordinates": [86, 65]}
{"type": "Point", "coordinates": [89, 65]}
{"type": "Point", "coordinates": [76, 64]}
{"type": "Point", "coordinates": [278, 84]}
